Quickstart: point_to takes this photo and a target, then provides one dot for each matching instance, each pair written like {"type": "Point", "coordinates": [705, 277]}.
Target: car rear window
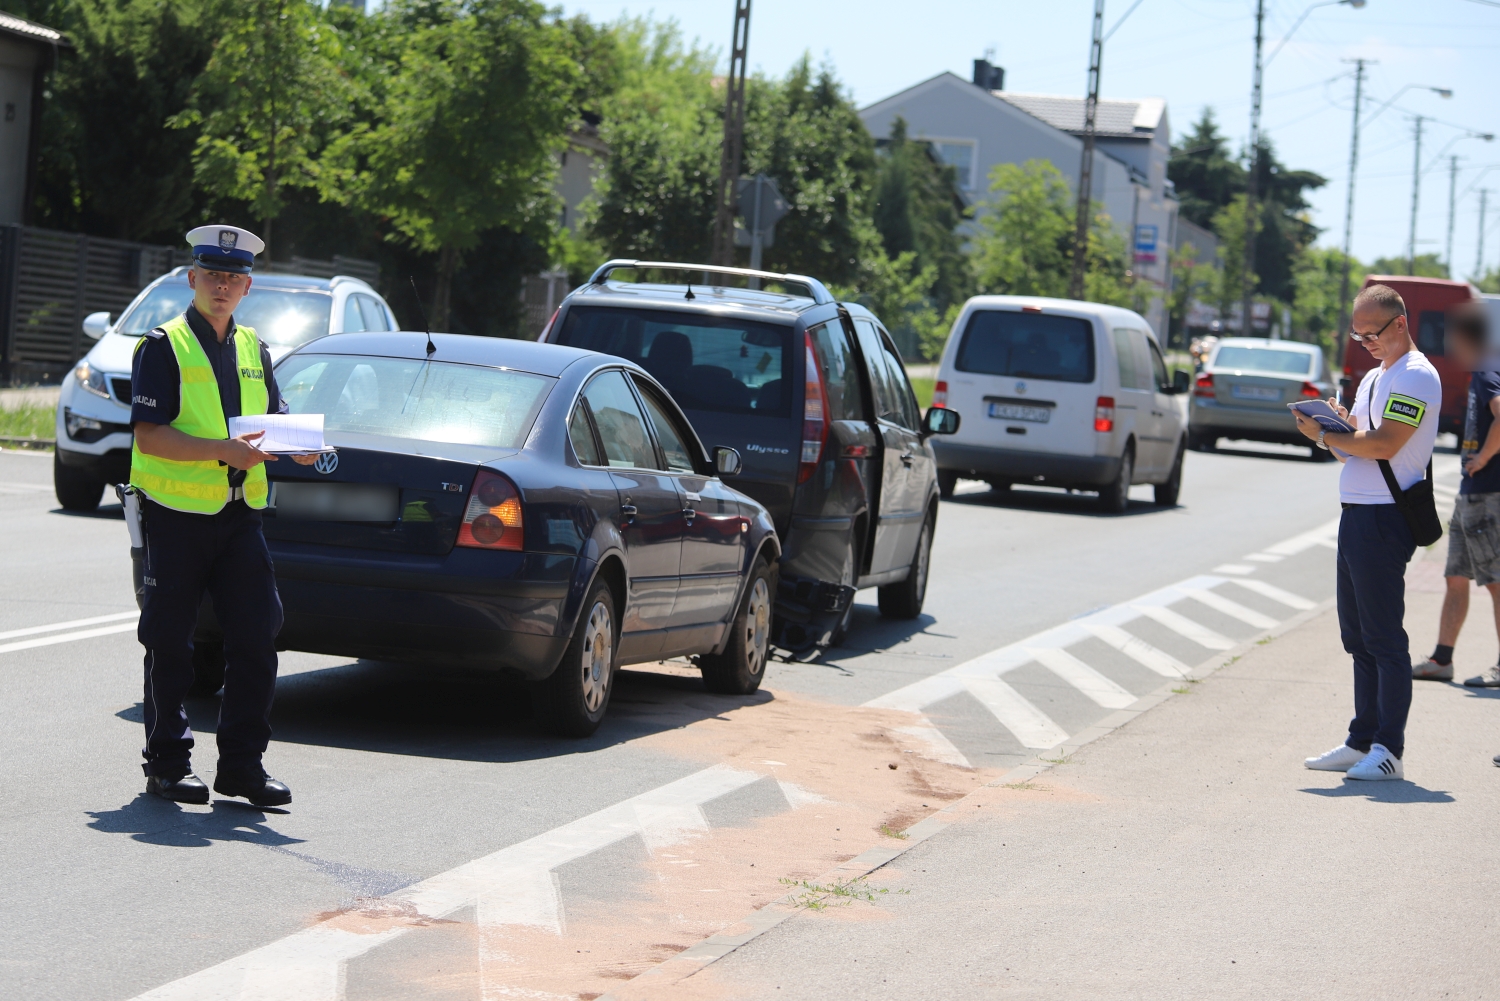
{"type": "Point", "coordinates": [1264, 360]}
{"type": "Point", "coordinates": [405, 398]}
{"type": "Point", "coordinates": [1028, 346]}
{"type": "Point", "coordinates": [724, 364]}
{"type": "Point", "coordinates": [281, 318]}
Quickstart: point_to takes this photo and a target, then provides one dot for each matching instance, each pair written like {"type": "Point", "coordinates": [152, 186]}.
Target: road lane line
{"type": "Point", "coordinates": [122, 627]}
{"type": "Point", "coordinates": [1032, 727]}
{"type": "Point", "coordinates": [1140, 651]}
{"type": "Point", "coordinates": [511, 886]}
{"type": "Point", "coordinates": [1325, 535]}
{"type": "Point", "coordinates": [1275, 593]}
{"type": "Point", "coordinates": [1084, 678]}
{"type": "Point", "coordinates": [1186, 628]}
{"type": "Point", "coordinates": [53, 627]}
{"type": "Point", "coordinates": [938, 746]}
{"type": "Point", "coordinates": [1233, 609]}
{"type": "Point", "coordinates": [1264, 558]}
{"type": "Point", "coordinates": [1234, 568]}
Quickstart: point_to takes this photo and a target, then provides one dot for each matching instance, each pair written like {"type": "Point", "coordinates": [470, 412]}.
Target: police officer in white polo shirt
{"type": "Point", "coordinates": [1396, 412]}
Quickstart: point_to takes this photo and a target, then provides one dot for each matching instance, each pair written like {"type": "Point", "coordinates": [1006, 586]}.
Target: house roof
{"type": "Point", "coordinates": [1113, 119]}
{"type": "Point", "coordinates": [29, 30]}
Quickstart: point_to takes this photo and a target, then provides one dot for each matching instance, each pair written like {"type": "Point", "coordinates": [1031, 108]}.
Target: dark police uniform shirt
{"type": "Point", "coordinates": [1483, 387]}
{"type": "Point", "coordinates": [156, 382]}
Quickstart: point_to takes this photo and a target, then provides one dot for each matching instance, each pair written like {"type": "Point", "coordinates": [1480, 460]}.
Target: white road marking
{"type": "Point", "coordinates": [1233, 568]}
{"type": "Point", "coordinates": [1032, 727]}
{"type": "Point", "coordinates": [1140, 651]}
{"type": "Point", "coordinates": [70, 624]}
{"type": "Point", "coordinates": [1084, 678]}
{"type": "Point", "coordinates": [1324, 535]}
{"type": "Point", "coordinates": [937, 745]}
{"type": "Point", "coordinates": [1275, 593]}
{"type": "Point", "coordinates": [1233, 609]}
{"type": "Point", "coordinates": [1264, 558]}
{"type": "Point", "coordinates": [22, 488]}
{"type": "Point", "coordinates": [84, 634]}
{"type": "Point", "coordinates": [1187, 628]}
{"type": "Point", "coordinates": [511, 886]}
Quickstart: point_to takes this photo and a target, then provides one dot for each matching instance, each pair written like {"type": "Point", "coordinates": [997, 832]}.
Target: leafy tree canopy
{"type": "Point", "coordinates": [1427, 266]}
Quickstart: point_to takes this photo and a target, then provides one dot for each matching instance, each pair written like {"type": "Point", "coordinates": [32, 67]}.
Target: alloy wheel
{"type": "Point", "coordinates": [757, 626]}
{"type": "Point", "coordinates": [598, 651]}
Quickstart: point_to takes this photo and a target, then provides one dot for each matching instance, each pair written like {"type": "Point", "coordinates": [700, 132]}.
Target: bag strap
{"type": "Point", "coordinates": [1394, 486]}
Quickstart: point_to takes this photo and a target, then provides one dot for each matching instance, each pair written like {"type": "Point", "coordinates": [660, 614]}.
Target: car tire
{"type": "Point", "coordinates": [742, 665]}
{"type": "Point", "coordinates": [208, 667]}
{"type": "Point", "coordinates": [573, 699]}
{"type": "Point", "coordinates": [1000, 486]}
{"type": "Point", "coordinates": [903, 600]}
{"type": "Point", "coordinates": [947, 482]}
{"type": "Point", "coordinates": [1115, 498]}
{"type": "Point", "coordinates": [1166, 493]}
{"type": "Point", "coordinates": [1200, 441]}
{"type": "Point", "coordinates": [75, 489]}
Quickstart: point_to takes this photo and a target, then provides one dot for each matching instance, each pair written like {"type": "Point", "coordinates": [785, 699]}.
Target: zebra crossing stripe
{"type": "Point", "coordinates": [1084, 678]}
{"type": "Point", "coordinates": [1140, 651]}
{"type": "Point", "coordinates": [1275, 593]}
{"type": "Point", "coordinates": [1185, 627]}
{"type": "Point", "coordinates": [1233, 609]}
{"type": "Point", "coordinates": [1032, 727]}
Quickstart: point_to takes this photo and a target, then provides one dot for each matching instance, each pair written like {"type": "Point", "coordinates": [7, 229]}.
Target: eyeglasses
{"type": "Point", "coordinates": [1362, 338]}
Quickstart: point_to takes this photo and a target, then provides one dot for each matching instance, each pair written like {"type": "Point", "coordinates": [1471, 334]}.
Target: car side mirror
{"type": "Point", "coordinates": [940, 421]}
{"type": "Point", "coordinates": [95, 325]}
{"type": "Point", "coordinates": [1180, 380]}
{"type": "Point", "coordinates": [726, 461]}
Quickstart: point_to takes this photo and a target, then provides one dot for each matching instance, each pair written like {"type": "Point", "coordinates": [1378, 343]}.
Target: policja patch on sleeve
{"type": "Point", "coordinates": [1404, 409]}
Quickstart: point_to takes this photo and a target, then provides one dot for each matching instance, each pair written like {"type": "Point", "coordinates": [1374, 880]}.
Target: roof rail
{"type": "Point", "coordinates": [817, 291]}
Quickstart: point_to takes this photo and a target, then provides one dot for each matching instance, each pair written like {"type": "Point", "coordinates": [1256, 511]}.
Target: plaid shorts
{"type": "Point", "coordinates": [1474, 539]}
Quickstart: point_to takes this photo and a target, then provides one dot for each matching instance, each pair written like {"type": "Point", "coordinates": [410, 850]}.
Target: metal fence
{"type": "Point", "coordinates": [49, 281]}
{"type": "Point", "coordinates": [540, 296]}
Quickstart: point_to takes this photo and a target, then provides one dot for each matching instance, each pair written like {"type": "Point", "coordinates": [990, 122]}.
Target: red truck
{"type": "Point", "coordinates": [1428, 301]}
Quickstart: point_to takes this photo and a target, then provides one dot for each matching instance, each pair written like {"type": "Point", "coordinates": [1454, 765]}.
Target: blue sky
{"type": "Point", "coordinates": [1193, 53]}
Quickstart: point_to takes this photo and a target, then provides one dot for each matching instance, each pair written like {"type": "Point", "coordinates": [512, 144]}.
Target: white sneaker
{"type": "Point", "coordinates": [1377, 766]}
{"type": "Point", "coordinates": [1340, 759]}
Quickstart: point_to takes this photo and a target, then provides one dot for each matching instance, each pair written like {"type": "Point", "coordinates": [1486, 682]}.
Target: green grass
{"type": "Point", "coordinates": [27, 422]}
{"type": "Point", "coordinates": [923, 389]}
{"type": "Point", "coordinates": [842, 892]}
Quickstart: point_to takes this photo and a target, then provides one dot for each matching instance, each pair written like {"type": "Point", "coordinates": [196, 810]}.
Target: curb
{"type": "Point", "coordinates": [757, 923]}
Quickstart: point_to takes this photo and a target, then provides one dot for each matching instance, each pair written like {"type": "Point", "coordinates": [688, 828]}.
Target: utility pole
{"type": "Point", "coordinates": [1247, 326]}
{"type": "Point", "coordinates": [1416, 190]}
{"type": "Point", "coordinates": [722, 252]}
{"type": "Point", "coordinates": [1484, 194]}
{"type": "Point", "coordinates": [1359, 86]}
{"type": "Point", "coordinates": [1086, 168]}
{"type": "Point", "coordinates": [1452, 188]}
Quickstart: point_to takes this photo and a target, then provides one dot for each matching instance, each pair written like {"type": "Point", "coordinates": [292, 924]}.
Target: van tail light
{"type": "Point", "coordinates": [1205, 386]}
{"type": "Point", "coordinates": [1104, 413]}
{"type": "Point", "coordinates": [940, 394]}
{"type": "Point", "coordinates": [814, 416]}
{"type": "Point", "coordinates": [548, 328]}
{"type": "Point", "coordinates": [493, 517]}
{"type": "Point", "coordinates": [1311, 392]}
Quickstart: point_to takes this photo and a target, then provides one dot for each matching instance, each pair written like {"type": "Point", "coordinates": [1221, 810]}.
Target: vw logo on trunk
{"type": "Point", "coordinates": [327, 463]}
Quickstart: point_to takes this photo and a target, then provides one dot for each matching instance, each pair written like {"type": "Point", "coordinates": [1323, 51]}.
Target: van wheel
{"type": "Point", "coordinates": [75, 489]}
{"type": "Point", "coordinates": [1115, 498]}
{"type": "Point", "coordinates": [572, 701]}
{"type": "Point", "coordinates": [742, 665]}
{"type": "Point", "coordinates": [1000, 486]}
{"type": "Point", "coordinates": [947, 481]}
{"type": "Point", "coordinates": [904, 600]}
{"type": "Point", "coordinates": [208, 667]}
{"type": "Point", "coordinates": [1166, 493]}
{"type": "Point", "coordinates": [1201, 441]}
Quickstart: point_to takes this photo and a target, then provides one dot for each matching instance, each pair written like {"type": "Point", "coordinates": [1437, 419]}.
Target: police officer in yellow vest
{"type": "Point", "coordinates": [204, 493]}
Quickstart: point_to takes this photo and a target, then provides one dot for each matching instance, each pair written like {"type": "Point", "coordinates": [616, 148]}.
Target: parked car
{"type": "Point", "coordinates": [814, 395]}
{"type": "Point", "coordinates": [1060, 393]}
{"type": "Point", "coordinates": [537, 510]}
{"type": "Point", "coordinates": [1427, 303]}
{"type": "Point", "coordinates": [1245, 386]}
{"type": "Point", "coordinates": [93, 409]}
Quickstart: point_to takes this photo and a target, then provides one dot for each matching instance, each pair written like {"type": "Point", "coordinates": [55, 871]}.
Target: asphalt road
{"type": "Point", "coordinates": [402, 776]}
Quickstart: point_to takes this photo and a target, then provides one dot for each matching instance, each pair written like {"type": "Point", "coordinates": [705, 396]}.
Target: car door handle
{"type": "Point", "coordinates": [906, 458]}
{"type": "Point", "coordinates": [688, 514]}
{"type": "Point", "coordinates": [628, 510]}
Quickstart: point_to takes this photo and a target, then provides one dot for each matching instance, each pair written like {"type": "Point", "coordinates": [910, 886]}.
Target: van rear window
{"type": "Point", "coordinates": [706, 362]}
{"type": "Point", "coordinates": [1028, 346]}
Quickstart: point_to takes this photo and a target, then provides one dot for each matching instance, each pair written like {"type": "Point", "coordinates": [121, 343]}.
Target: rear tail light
{"type": "Point", "coordinates": [1311, 392]}
{"type": "Point", "coordinates": [548, 328]}
{"type": "Point", "coordinates": [493, 518]}
{"type": "Point", "coordinates": [1104, 413]}
{"type": "Point", "coordinates": [1205, 386]}
{"type": "Point", "coordinates": [940, 394]}
{"type": "Point", "coordinates": [814, 416]}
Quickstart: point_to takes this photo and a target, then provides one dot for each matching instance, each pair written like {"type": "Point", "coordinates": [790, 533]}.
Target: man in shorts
{"type": "Point", "coordinates": [1474, 532]}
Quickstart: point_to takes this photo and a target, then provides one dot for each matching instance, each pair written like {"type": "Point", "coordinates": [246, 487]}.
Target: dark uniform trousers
{"type": "Point", "coordinates": [224, 554]}
{"type": "Point", "coordinates": [1375, 545]}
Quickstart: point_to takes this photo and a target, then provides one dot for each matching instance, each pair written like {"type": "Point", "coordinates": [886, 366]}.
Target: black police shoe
{"type": "Point", "coordinates": [188, 789]}
{"type": "Point", "coordinates": [258, 787]}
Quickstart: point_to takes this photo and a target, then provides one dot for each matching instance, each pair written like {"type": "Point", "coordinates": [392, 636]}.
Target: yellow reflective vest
{"type": "Point", "coordinates": [194, 486]}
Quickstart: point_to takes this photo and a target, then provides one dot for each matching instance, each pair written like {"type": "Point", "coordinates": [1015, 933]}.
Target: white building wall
{"type": "Point", "coordinates": [17, 63]}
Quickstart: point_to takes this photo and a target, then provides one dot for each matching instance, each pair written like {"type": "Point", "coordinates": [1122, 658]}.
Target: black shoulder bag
{"type": "Point", "coordinates": [1417, 505]}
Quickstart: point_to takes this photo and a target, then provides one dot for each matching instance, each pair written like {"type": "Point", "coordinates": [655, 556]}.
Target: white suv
{"type": "Point", "coordinates": [1061, 393]}
{"type": "Point", "coordinates": [93, 409]}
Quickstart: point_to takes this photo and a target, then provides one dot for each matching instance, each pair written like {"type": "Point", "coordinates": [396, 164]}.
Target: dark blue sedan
{"type": "Point", "coordinates": [536, 509]}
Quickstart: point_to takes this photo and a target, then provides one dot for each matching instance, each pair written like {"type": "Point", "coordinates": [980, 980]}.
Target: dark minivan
{"type": "Point", "coordinates": [812, 393]}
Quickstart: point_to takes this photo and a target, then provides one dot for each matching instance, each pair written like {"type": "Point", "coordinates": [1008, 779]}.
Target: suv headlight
{"type": "Point", "coordinates": [91, 379]}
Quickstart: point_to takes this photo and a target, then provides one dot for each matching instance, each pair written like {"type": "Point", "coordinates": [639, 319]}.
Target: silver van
{"type": "Point", "coordinates": [1060, 393]}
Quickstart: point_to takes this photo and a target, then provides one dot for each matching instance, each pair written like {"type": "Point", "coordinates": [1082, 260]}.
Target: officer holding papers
{"type": "Point", "coordinates": [202, 496]}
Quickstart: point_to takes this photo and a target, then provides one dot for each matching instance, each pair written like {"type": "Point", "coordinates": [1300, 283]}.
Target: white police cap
{"type": "Point", "coordinates": [225, 248]}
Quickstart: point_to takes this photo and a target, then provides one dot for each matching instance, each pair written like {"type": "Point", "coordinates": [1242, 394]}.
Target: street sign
{"type": "Point", "coordinates": [761, 206]}
{"type": "Point", "coordinates": [1145, 244]}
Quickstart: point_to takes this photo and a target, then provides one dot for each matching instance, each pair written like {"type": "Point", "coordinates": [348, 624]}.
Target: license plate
{"type": "Point", "coordinates": [1254, 393]}
{"type": "Point", "coordinates": [334, 501]}
{"type": "Point", "coordinates": [1015, 412]}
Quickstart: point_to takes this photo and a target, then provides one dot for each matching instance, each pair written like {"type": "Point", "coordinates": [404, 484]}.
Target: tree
{"type": "Point", "coordinates": [1192, 280]}
{"type": "Point", "coordinates": [1427, 266]}
{"type": "Point", "coordinates": [1229, 224]}
{"type": "Point", "coordinates": [1207, 177]}
{"type": "Point", "coordinates": [266, 104]}
{"type": "Point", "coordinates": [917, 208]}
{"type": "Point", "coordinates": [1318, 278]}
{"type": "Point", "coordinates": [1488, 282]}
{"type": "Point", "coordinates": [476, 107]}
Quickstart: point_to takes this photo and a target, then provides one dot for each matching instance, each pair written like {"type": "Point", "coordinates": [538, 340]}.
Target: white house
{"type": "Point", "coordinates": [27, 52]}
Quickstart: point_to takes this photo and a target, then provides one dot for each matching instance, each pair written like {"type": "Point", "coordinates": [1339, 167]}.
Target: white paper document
{"type": "Point", "coordinates": [286, 434]}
